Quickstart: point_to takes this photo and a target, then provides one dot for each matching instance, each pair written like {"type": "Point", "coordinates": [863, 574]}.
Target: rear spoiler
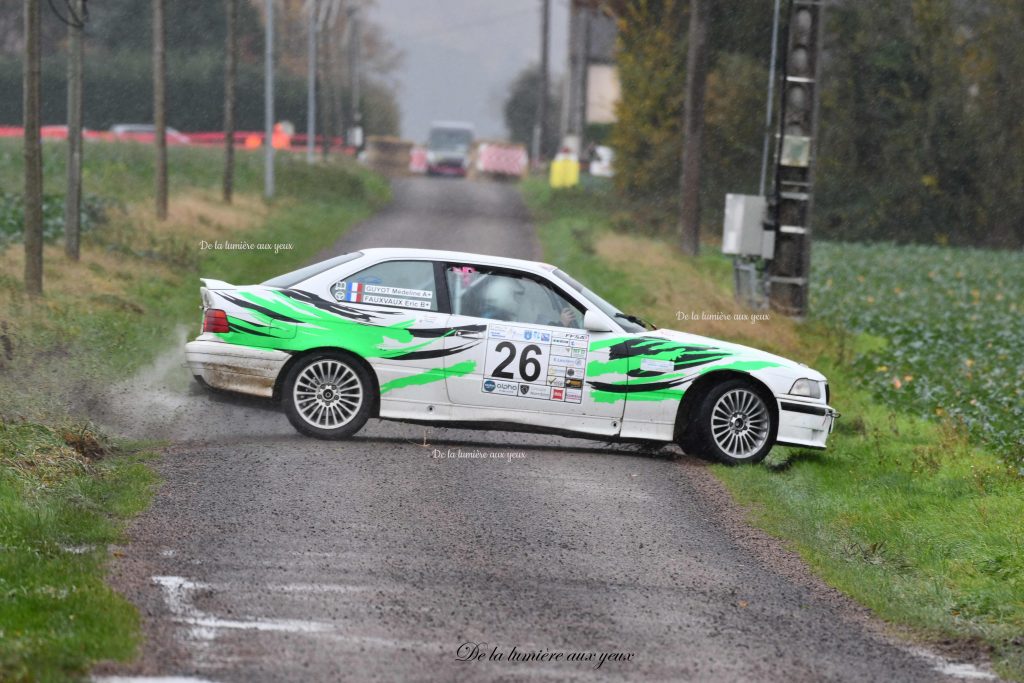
{"type": "Point", "coordinates": [210, 283]}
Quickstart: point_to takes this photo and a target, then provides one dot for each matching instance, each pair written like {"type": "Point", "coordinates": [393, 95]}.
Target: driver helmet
{"type": "Point", "coordinates": [503, 296]}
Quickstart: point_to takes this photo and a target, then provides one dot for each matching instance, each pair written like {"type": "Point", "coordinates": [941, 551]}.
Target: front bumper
{"type": "Point", "coordinates": [243, 369]}
{"type": "Point", "coordinates": [804, 424]}
{"type": "Point", "coordinates": [443, 168]}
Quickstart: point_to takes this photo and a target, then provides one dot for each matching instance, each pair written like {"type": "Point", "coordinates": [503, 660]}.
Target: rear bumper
{"type": "Point", "coordinates": [804, 424]}
{"type": "Point", "coordinates": [243, 369]}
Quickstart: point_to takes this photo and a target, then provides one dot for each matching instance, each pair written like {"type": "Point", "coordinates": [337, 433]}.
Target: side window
{"type": "Point", "coordinates": [505, 296]}
{"type": "Point", "coordinates": [401, 284]}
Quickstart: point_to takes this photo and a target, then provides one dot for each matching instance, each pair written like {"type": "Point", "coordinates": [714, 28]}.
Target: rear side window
{"type": "Point", "coordinates": [302, 274]}
{"type": "Point", "coordinates": [398, 284]}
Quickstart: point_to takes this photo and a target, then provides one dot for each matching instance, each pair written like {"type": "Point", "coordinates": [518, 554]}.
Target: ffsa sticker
{"type": "Point", "coordinates": [537, 364]}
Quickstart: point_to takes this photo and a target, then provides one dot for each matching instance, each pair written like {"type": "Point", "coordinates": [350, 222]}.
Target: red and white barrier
{"type": "Point", "coordinates": [501, 159]}
{"type": "Point", "coordinates": [246, 139]}
{"type": "Point", "coordinates": [418, 160]}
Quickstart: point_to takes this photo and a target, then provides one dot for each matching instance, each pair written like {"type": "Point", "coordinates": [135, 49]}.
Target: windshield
{"type": "Point", "coordinates": [451, 138]}
{"type": "Point", "coordinates": [296, 276]}
{"type": "Point", "coordinates": [606, 308]}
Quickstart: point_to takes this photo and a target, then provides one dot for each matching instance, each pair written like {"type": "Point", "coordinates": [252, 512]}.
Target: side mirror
{"type": "Point", "coordinates": [594, 322]}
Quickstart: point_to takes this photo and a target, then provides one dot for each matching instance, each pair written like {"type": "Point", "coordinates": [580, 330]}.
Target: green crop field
{"type": "Point", "coordinates": [950, 324]}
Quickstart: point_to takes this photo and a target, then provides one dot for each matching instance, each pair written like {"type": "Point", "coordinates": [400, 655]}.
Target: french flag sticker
{"type": "Point", "coordinates": [354, 292]}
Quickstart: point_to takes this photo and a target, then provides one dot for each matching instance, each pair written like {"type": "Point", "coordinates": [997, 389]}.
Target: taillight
{"type": "Point", "coordinates": [215, 320]}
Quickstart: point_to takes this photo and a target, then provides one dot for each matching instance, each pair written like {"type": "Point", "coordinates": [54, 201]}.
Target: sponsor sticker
{"type": "Point", "coordinates": [557, 394]}
{"type": "Point", "coordinates": [574, 395]}
{"type": "Point", "coordinates": [531, 363]}
{"type": "Point", "coordinates": [504, 388]}
{"type": "Point", "coordinates": [655, 365]}
{"type": "Point", "coordinates": [539, 391]}
{"type": "Point", "coordinates": [567, 362]}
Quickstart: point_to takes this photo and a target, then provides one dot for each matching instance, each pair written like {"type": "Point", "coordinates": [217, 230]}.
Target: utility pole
{"type": "Point", "coordinates": [159, 107]}
{"type": "Point", "coordinates": [33, 152]}
{"type": "Point", "coordinates": [325, 90]}
{"type": "Point", "coordinates": [789, 221]}
{"type": "Point", "coordinates": [230, 78]}
{"type": "Point", "coordinates": [540, 125]}
{"type": "Point", "coordinates": [693, 128]}
{"type": "Point", "coordinates": [356, 130]}
{"type": "Point", "coordinates": [579, 46]}
{"type": "Point", "coordinates": [312, 7]}
{"type": "Point", "coordinates": [73, 198]}
{"type": "Point", "coordinates": [268, 105]}
{"type": "Point", "coordinates": [770, 102]}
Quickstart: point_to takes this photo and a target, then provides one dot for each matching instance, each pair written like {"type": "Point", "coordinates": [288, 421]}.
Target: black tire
{"type": "Point", "coordinates": [743, 416]}
{"type": "Point", "coordinates": [328, 395]}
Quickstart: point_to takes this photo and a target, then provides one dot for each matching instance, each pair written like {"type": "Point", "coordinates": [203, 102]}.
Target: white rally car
{"type": "Point", "coordinates": [494, 343]}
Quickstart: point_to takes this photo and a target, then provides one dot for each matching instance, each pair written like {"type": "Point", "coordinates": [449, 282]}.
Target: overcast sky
{"type": "Point", "coordinates": [461, 56]}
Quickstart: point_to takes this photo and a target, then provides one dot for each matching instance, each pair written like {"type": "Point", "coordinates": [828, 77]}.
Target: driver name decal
{"type": "Point", "coordinates": [361, 293]}
{"type": "Point", "coordinates": [537, 364]}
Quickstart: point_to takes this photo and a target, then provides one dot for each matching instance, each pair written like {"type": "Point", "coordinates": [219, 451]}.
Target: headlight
{"type": "Point", "coordinates": [806, 387]}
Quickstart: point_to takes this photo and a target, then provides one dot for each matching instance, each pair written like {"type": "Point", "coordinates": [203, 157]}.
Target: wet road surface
{"type": "Point", "coordinates": [272, 557]}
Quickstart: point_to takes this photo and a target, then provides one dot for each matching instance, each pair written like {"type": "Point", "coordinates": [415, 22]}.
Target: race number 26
{"type": "Point", "coordinates": [529, 365]}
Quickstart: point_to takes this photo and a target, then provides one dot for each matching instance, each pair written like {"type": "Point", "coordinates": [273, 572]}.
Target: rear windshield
{"type": "Point", "coordinates": [296, 276]}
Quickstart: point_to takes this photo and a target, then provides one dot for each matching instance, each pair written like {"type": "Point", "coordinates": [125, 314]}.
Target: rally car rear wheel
{"type": "Point", "coordinates": [328, 396]}
{"type": "Point", "coordinates": [735, 423]}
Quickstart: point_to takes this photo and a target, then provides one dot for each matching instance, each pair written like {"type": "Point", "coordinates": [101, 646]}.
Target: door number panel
{"type": "Point", "coordinates": [537, 364]}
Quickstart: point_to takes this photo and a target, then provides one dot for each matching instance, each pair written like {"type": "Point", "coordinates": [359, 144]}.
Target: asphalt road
{"type": "Point", "coordinates": [272, 557]}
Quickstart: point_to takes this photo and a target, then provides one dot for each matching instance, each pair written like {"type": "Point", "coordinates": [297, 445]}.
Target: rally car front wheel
{"type": "Point", "coordinates": [734, 423]}
{"type": "Point", "coordinates": [328, 395]}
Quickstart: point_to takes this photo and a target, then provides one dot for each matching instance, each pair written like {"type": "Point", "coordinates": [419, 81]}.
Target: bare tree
{"type": "Point", "coordinates": [33, 198]}
{"type": "Point", "coordinates": [159, 107]}
{"type": "Point", "coordinates": [230, 76]}
{"type": "Point", "coordinates": [693, 128]}
{"type": "Point", "coordinates": [73, 198]}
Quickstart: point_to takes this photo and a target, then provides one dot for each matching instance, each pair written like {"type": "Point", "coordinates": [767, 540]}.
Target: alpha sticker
{"type": "Point", "coordinates": [504, 388]}
{"type": "Point", "coordinates": [541, 363]}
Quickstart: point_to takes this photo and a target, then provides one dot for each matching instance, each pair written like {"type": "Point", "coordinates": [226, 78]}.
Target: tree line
{"type": "Point", "coordinates": [920, 133]}
{"type": "Point", "coordinates": [119, 78]}
{"type": "Point", "coordinates": [208, 44]}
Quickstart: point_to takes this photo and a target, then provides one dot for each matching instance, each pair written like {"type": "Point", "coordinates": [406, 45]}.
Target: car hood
{"type": "Point", "coordinates": [781, 365]}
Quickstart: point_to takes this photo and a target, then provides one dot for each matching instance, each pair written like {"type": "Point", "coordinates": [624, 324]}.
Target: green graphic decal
{"type": "Point", "coordinates": [428, 376]}
{"type": "Point", "coordinates": [293, 320]}
{"type": "Point", "coordinates": [289, 323]}
{"type": "Point", "coordinates": [655, 369]}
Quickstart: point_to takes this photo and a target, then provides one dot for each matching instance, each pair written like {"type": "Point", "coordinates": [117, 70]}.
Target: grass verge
{"type": "Point", "coordinates": [904, 514]}
{"type": "Point", "coordinates": [65, 493]}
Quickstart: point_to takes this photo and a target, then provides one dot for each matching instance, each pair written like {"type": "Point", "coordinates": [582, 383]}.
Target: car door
{"type": "Point", "coordinates": [391, 314]}
{"type": "Point", "coordinates": [519, 353]}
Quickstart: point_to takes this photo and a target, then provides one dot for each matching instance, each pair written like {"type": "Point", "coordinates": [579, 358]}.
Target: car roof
{"type": "Point", "coordinates": [381, 253]}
